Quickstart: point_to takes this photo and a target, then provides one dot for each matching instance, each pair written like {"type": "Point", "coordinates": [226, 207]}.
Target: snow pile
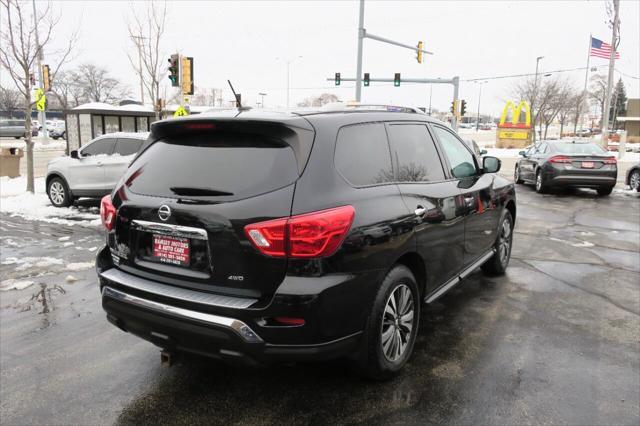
{"type": "Point", "coordinates": [79, 266]}
{"type": "Point", "coordinates": [504, 152]}
{"type": "Point", "coordinates": [15, 201]}
{"type": "Point", "coordinates": [12, 284]}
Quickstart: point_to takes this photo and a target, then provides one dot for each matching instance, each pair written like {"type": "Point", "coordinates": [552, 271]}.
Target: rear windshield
{"type": "Point", "coordinates": [579, 148]}
{"type": "Point", "coordinates": [213, 166]}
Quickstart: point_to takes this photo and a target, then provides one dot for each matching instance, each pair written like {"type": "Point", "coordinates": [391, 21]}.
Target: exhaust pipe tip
{"type": "Point", "coordinates": [167, 358]}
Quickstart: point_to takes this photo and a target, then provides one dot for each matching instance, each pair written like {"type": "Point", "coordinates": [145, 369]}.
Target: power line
{"type": "Point", "coordinates": [530, 74]}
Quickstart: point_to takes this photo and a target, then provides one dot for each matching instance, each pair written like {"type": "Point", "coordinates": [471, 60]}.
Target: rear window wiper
{"type": "Point", "coordinates": [195, 192]}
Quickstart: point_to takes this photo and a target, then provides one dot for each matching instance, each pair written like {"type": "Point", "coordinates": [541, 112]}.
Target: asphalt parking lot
{"type": "Point", "coordinates": [555, 340]}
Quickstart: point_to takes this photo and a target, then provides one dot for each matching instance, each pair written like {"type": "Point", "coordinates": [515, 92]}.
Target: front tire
{"type": "Point", "coordinates": [391, 329]}
{"type": "Point", "coordinates": [58, 193]}
{"type": "Point", "coordinates": [634, 180]}
{"type": "Point", "coordinates": [605, 191]}
{"type": "Point", "coordinates": [498, 263]}
{"type": "Point", "coordinates": [516, 175]}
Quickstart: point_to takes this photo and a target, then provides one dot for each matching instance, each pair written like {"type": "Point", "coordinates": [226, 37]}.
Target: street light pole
{"type": "Point", "coordinates": [535, 95]}
{"type": "Point", "coordinates": [479, 97]}
{"type": "Point", "coordinates": [262, 101]}
{"type": "Point", "coordinates": [430, 95]}
{"type": "Point", "coordinates": [139, 44]}
{"type": "Point", "coordinates": [289, 61]}
{"type": "Point", "coordinates": [361, 33]}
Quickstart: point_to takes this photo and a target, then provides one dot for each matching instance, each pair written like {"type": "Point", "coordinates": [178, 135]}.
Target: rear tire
{"type": "Point", "coordinates": [498, 263]}
{"type": "Point", "coordinates": [58, 193]}
{"type": "Point", "coordinates": [392, 326]}
{"type": "Point", "coordinates": [541, 187]}
{"type": "Point", "coordinates": [605, 191]}
{"type": "Point", "coordinates": [516, 175]}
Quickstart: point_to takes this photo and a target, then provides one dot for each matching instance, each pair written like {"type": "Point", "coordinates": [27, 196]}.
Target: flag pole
{"type": "Point", "coordinates": [584, 91]}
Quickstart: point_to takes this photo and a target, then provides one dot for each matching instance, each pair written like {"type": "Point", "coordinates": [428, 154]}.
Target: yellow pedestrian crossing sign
{"type": "Point", "coordinates": [181, 112]}
{"type": "Point", "coordinates": [41, 99]}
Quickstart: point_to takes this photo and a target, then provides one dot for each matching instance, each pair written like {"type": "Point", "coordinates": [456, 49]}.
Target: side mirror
{"type": "Point", "coordinates": [74, 154]}
{"type": "Point", "coordinates": [483, 152]}
{"type": "Point", "coordinates": [522, 153]}
{"type": "Point", "coordinates": [491, 164]}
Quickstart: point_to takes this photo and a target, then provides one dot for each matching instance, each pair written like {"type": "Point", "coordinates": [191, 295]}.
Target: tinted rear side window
{"type": "Point", "coordinates": [101, 147]}
{"type": "Point", "coordinates": [414, 153]}
{"type": "Point", "coordinates": [362, 154]}
{"type": "Point", "coordinates": [213, 166]}
{"type": "Point", "coordinates": [128, 146]}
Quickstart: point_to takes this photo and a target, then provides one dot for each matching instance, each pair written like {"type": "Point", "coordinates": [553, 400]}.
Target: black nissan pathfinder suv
{"type": "Point", "coordinates": [280, 236]}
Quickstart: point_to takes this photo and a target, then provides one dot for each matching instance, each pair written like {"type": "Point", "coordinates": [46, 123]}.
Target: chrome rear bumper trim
{"type": "Point", "coordinates": [239, 327]}
{"type": "Point", "coordinates": [148, 286]}
{"type": "Point", "coordinates": [169, 229]}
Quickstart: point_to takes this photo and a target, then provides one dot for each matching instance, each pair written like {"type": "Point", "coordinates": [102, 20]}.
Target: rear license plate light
{"type": "Point", "coordinates": [172, 250]}
{"type": "Point", "coordinates": [587, 165]}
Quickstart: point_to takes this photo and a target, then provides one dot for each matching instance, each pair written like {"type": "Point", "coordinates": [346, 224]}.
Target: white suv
{"type": "Point", "coordinates": [94, 169]}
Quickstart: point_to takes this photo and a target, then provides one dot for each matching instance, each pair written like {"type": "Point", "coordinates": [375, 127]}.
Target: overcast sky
{"type": "Point", "coordinates": [240, 41]}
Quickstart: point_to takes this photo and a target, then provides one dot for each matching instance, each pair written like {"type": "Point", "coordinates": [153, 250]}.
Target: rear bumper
{"type": "Point", "coordinates": [184, 320]}
{"type": "Point", "coordinates": [587, 181]}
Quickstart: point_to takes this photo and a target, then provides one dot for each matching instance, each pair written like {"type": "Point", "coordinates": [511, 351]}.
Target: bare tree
{"type": "Point", "coordinates": [530, 91]}
{"type": "Point", "coordinates": [316, 101]}
{"type": "Point", "coordinates": [67, 90]}
{"type": "Point", "coordinates": [598, 92]}
{"type": "Point", "coordinates": [9, 100]}
{"type": "Point", "coordinates": [98, 86]}
{"type": "Point", "coordinates": [555, 92]}
{"type": "Point", "coordinates": [567, 105]}
{"type": "Point", "coordinates": [19, 51]}
{"type": "Point", "coordinates": [146, 33]}
{"type": "Point", "coordinates": [578, 109]}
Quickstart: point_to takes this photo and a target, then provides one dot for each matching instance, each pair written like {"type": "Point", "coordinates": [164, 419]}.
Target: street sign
{"type": "Point", "coordinates": [181, 112]}
{"type": "Point", "coordinates": [41, 99]}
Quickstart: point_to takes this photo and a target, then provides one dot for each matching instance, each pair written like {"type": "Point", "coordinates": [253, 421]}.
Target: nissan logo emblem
{"type": "Point", "coordinates": [164, 212]}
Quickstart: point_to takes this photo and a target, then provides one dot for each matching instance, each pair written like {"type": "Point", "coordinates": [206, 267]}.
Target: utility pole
{"type": "Point", "coordinates": [535, 95]}
{"type": "Point", "coordinates": [42, 115]}
{"type": "Point", "coordinates": [138, 40]}
{"type": "Point", "coordinates": [612, 60]}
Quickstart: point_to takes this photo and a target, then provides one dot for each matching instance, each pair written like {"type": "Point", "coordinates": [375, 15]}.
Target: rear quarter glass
{"type": "Point", "coordinates": [215, 165]}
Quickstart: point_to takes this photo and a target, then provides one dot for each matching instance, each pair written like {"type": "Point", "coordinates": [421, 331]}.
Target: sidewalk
{"type": "Point", "coordinates": [43, 152]}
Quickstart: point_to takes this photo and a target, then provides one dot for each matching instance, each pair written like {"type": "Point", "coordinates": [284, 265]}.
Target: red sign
{"type": "Point", "coordinates": [171, 249]}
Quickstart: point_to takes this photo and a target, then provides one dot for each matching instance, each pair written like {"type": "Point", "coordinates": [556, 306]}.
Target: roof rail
{"type": "Point", "coordinates": [339, 106]}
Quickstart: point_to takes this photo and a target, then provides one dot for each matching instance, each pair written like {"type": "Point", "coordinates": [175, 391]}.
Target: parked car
{"type": "Point", "coordinates": [15, 128]}
{"type": "Point", "coordinates": [229, 236]}
{"type": "Point", "coordinates": [58, 130]}
{"type": "Point", "coordinates": [475, 148]}
{"type": "Point", "coordinates": [550, 164]}
{"type": "Point", "coordinates": [93, 170]}
{"type": "Point", "coordinates": [37, 124]}
{"type": "Point", "coordinates": [633, 177]}
{"type": "Point", "coordinates": [583, 133]}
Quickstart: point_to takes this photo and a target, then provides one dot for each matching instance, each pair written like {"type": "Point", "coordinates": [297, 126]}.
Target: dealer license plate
{"type": "Point", "coordinates": [587, 164]}
{"type": "Point", "coordinates": [171, 250]}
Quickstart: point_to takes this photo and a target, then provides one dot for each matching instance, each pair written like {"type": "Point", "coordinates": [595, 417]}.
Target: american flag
{"type": "Point", "coordinates": [601, 49]}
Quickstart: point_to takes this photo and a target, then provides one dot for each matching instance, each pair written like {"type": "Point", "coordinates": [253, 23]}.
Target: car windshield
{"type": "Point", "coordinates": [579, 148]}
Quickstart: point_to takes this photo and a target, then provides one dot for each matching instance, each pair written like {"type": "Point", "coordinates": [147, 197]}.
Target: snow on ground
{"type": "Point", "coordinates": [15, 201]}
{"type": "Point", "coordinates": [50, 145]}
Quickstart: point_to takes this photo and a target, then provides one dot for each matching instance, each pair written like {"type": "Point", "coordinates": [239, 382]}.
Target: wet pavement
{"type": "Point", "coordinates": [555, 340]}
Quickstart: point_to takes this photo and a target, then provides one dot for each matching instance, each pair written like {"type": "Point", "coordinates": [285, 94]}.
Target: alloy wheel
{"type": "Point", "coordinates": [397, 323]}
{"type": "Point", "coordinates": [538, 181]}
{"type": "Point", "coordinates": [634, 181]}
{"type": "Point", "coordinates": [56, 191]}
{"type": "Point", "coordinates": [504, 241]}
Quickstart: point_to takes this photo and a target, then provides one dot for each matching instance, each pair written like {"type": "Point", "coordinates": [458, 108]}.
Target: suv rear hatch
{"type": "Point", "coordinates": [184, 202]}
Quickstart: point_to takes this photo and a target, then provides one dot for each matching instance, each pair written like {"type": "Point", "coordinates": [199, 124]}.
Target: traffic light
{"type": "Point", "coordinates": [419, 52]}
{"type": "Point", "coordinates": [453, 107]}
{"type": "Point", "coordinates": [187, 76]}
{"type": "Point", "coordinates": [337, 79]}
{"type": "Point", "coordinates": [463, 107]}
{"type": "Point", "coordinates": [366, 79]}
{"type": "Point", "coordinates": [396, 79]}
{"type": "Point", "coordinates": [46, 78]}
{"type": "Point", "coordinates": [174, 70]}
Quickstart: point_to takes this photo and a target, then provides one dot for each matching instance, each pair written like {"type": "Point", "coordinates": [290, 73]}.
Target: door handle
{"type": "Point", "coordinates": [419, 211]}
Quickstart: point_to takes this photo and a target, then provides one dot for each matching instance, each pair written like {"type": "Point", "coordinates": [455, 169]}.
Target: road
{"type": "Point", "coordinates": [555, 340]}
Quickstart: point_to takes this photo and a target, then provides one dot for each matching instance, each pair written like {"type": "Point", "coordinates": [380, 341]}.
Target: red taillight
{"type": "Point", "coordinates": [289, 321]}
{"type": "Point", "coordinates": [317, 234]}
{"type": "Point", "coordinates": [560, 159]}
{"type": "Point", "coordinates": [610, 160]}
{"type": "Point", "coordinates": [107, 212]}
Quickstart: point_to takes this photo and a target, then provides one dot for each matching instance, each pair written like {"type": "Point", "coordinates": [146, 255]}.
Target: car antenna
{"type": "Point", "coordinates": [238, 101]}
